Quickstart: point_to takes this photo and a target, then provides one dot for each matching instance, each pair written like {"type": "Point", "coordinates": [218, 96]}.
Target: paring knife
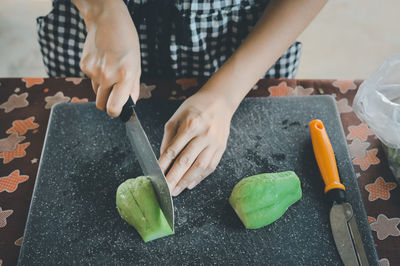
{"type": "Point", "coordinates": [147, 159]}
{"type": "Point", "coordinates": [343, 224]}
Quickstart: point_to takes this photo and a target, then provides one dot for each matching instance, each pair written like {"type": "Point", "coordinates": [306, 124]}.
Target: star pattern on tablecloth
{"type": "Point", "coordinates": [22, 126]}
{"type": "Point", "coordinates": [15, 101]}
{"type": "Point", "coordinates": [11, 142]}
{"type": "Point", "coordinates": [344, 85]}
{"type": "Point", "coordinates": [358, 148]}
{"type": "Point", "coordinates": [17, 90]}
{"type": "Point", "coordinates": [34, 160]}
{"type": "Point", "coordinates": [384, 226]}
{"type": "Point", "coordinates": [77, 100]}
{"type": "Point", "coordinates": [187, 83]}
{"type": "Point", "coordinates": [301, 91]}
{"type": "Point", "coordinates": [76, 81]}
{"type": "Point", "coordinates": [19, 152]}
{"type": "Point", "coordinates": [343, 106]}
{"type": "Point", "coordinates": [3, 216]}
{"type": "Point", "coordinates": [371, 219]}
{"type": "Point", "coordinates": [57, 98]}
{"type": "Point", "coordinates": [18, 242]}
{"type": "Point", "coordinates": [29, 82]}
{"type": "Point", "coordinates": [369, 159]}
{"type": "Point", "coordinates": [380, 189]}
{"type": "Point", "coordinates": [361, 131]}
{"type": "Point", "coordinates": [384, 262]}
{"type": "Point", "coordinates": [10, 183]}
{"type": "Point", "coordinates": [145, 90]}
{"type": "Point", "coordinates": [281, 90]}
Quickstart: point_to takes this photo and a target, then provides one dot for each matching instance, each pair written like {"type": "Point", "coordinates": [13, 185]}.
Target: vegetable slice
{"type": "Point", "coordinates": [262, 199]}
{"type": "Point", "coordinates": [137, 204]}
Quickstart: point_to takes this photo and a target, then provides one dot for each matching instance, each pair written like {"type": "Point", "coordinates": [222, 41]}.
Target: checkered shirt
{"type": "Point", "coordinates": [180, 38]}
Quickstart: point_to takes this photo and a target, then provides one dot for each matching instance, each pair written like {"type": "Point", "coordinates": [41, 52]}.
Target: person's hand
{"type": "Point", "coordinates": [111, 56]}
{"type": "Point", "coordinates": [195, 137]}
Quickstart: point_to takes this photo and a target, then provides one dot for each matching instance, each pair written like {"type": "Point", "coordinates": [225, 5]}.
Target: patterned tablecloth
{"type": "Point", "coordinates": [24, 112]}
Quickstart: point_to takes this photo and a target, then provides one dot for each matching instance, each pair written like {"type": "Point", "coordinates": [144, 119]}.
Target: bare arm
{"type": "Point", "coordinates": [282, 22]}
{"type": "Point", "coordinates": [111, 53]}
{"type": "Point", "coordinates": [197, 134]}
{"type": "Point", "coordinates": [90, 9]}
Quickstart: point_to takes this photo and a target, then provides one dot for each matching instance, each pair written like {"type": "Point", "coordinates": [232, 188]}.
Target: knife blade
{"type": "Point", "coordinates": [343, 223]}
{"type": "Point", "coordinates": [347, 237]}
{"type": "Point", "coordinates": [147, 159]}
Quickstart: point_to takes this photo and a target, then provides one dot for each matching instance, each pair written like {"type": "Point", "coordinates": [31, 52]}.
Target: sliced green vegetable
{"type": "Point", "coordinates": [137, 204]}
{"type": "Point", "coordinates": [262, 199]}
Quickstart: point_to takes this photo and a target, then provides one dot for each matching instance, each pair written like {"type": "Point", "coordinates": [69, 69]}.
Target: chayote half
{"type": "Point", "coordinates": [137, 204]}
{"type": "Point", "coordinates": [262, 199]}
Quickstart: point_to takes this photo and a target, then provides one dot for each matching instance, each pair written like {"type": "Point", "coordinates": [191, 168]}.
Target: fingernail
{"type": "Point", "coordinates": [192, 185]}
{"type": "Point", "coordinates": [177, 191]}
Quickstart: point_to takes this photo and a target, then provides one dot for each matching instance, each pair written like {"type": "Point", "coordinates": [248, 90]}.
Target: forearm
{"type": "Point", "coordinates": [92, 10]}
{"type": "Point", "coordinates": [280, 25]}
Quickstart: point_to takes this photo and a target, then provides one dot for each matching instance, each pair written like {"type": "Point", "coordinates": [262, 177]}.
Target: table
{"type": "Point", "coordinates": [25, 105]}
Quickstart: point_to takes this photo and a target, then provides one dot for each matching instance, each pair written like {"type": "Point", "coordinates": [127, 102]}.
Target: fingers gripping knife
{"type": "Point", "coordinates": [147, 160]}
{"type": "Point", "coordinates": [343, 224]}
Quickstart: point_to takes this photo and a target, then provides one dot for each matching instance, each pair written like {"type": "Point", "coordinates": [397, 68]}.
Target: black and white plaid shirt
{"type": "Point", "coordinates": [181, 38]}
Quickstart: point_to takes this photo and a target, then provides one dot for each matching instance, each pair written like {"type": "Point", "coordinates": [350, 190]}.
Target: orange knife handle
{"type": "Point", "coordinates": [325, 157]}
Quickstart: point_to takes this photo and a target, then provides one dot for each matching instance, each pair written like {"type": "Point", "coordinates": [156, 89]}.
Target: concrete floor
{"type": "Point", "coordinates": [348, 39]}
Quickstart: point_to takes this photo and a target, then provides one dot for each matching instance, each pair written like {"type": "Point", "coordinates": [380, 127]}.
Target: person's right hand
{"type": "Point", "coordinates": [111, 56]}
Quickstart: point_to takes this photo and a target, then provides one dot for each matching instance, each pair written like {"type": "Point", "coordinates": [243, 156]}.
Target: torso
{"type": "Point", "coordinates": [182, 39]}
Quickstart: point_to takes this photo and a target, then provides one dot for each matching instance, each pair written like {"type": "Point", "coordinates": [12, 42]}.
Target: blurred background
{"type": "Point", "coordinates": [348, 39]}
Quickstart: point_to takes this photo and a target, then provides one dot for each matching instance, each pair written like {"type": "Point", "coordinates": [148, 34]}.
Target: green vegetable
{"type": "Point", "coordinates": [393, 157]}
{"type": "Point", "coordinates": [262, 199]}
{"type": "Point", "coordinates": [137, 204]}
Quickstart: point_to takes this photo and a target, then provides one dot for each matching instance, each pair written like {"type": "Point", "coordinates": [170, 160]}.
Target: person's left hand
{"type": "Point", "coordinates": [195, 137]}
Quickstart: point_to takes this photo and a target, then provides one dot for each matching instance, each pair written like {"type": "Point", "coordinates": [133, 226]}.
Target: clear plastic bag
{"type": "Point", "coordinates": [377, 102]}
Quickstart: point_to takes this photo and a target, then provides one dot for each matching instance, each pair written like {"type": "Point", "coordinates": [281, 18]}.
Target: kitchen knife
{"type": "Point", "coordinates": [147, 160]}
{"type": "Point", "coordinates": [343, 224]}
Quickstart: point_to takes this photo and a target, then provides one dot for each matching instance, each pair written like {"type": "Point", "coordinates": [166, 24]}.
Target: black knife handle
{"type": "Point", "coordinates": [127, 110]}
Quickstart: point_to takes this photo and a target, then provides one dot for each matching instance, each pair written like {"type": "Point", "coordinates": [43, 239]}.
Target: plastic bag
{"type": "Point", "coordinates": [377, 102]}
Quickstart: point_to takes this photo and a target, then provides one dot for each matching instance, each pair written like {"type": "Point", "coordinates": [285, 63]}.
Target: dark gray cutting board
{"type": "Point", "coordinates": [73, 218]}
